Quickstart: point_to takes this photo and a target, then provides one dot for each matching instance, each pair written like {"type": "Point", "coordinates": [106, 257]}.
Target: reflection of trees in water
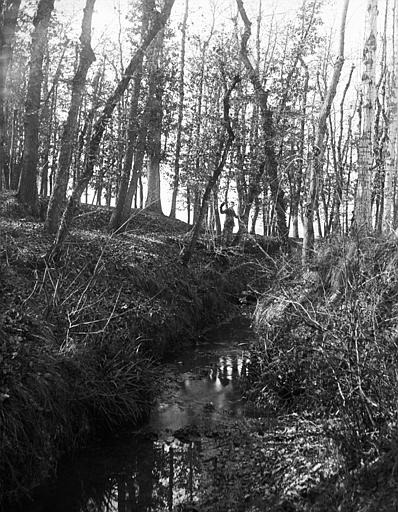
{"type": "Point", "coordinates": [149, 477]}
{"type": "Point", "coordinates": [230, 369]}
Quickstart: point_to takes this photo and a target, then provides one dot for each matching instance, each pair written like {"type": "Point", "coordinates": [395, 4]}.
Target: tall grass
{"type": "Point", "coordinates": [50, 400]}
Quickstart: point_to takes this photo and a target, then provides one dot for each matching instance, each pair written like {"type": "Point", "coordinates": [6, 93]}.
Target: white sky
{"type": "Point", "coordinates": [105, 19]}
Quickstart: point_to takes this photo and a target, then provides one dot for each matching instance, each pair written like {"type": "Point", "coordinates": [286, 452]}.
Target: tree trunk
{"type": "Point", "coordinates": [363, 204]}
{"type": "Point", "coordinates": [217, 220]}
{"type": "Point", "coordinates": [319, 147]}
{"type": "Point", "coordinates": [295, 203]}
{"type": "Point", "coordinates": [86, 58]}
{"type": "Point", "coordinates": [176, 180]}
{"type": "Point", "coordinates": [195, 187]}
{"type": "Point", "coordinates": [103, 121]}
{"type": "Point", "coordinates": [14, 177]}
{"type": "Point", "coordinates": [155, 94]}
{"type": "Point", "coordinates": [27, 191]}
{"type": "Point", "coordinates": [8, 22]}
{"type": "Point", "coordinates": [257, 204]}
{"type": "Point", "coordinates": [45, 131]}
{"type": "Point", "coordinates": [187, 251]}
{"type": "Point", "coordinates": [270, 162]}
{"type": "Point", "coordinates": [125, 195]}
{"type": "Point", "coordinates": [341, 161]}
{"type": "Point", "coordinates": [188, 205]}
{"type": "Point", "coordinates": [392, 155]}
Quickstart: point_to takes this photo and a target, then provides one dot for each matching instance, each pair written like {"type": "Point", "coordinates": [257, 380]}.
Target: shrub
{"type": "Point", "coordinates": [335, 350]}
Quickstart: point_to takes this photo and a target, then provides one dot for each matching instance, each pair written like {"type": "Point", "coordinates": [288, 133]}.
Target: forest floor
{"type": "Point", "coordinates": [289, 463]}
{"type": "Point", "coordinates": [273, 460]}
{"type": "Point", "coordinates": [79, 338]}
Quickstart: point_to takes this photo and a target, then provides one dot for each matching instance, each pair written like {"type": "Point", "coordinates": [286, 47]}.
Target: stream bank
{"type": "Point", "coordinates": [204, 447]}
{"type": "Point", "coordinates": [78, 340]}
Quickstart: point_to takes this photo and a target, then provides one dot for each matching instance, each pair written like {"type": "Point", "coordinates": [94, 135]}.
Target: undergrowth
{"type": "Point", "coordinates": [50, 400]}
{"type": "Point", "coordinates": [79, 337]}
{"type": "Point", "coordinates": [329, 344]}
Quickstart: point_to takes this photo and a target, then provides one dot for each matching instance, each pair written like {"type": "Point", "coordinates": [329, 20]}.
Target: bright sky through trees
{"type": "Point", "coordinates": [110, 18]}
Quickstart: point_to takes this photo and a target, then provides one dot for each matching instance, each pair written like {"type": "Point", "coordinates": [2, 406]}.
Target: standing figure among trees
{"type": "Point", "coordinates": [229, 223]}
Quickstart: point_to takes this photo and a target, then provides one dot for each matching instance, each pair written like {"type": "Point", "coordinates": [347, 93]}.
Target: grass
{"type": "Point", "coordinates": [79, 338]}
{"type": "Point", "coordinates": [329, 348]}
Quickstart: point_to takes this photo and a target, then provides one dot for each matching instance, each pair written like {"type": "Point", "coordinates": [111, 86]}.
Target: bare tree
{"type": "Point", "coordinates": [125, 193]}
{"type": "Point", "coordinates": [176, 180]}
{"type": "Point", "coordinates": [102, 122]}
{"type": "Point", "coordinates": [187, 252]}
{"type": "Point", "coordinates": [392, 149]}
{"type": "Point", "coordinates": [363, 203]}
{"type": "Point", "coordinates": [8, 23]}
{"type": "Point", "coordinates": [86, 58]}
{"type": "Point", "coordinates": [27, 191]}
{"type": "Point", "coordinates": [269, 163]}
{"type": "Point", "coordinates": [319, 146]}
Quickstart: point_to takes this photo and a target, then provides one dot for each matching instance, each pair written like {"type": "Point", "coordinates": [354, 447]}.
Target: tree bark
{"type": "Point", "coordinates": [388, 225]}
{"type": "Point", "coordinates": [319, 148]}
{"type": "Point", "coordinates": [103, 121]}
{"type": "Point", "coordinates": [86, 58]}
{"type": "Point", "coordinates": [27, 191]}
{"type": "Point", "coordinates": [363, 204]}
{"type": "Point", "coordinates": [188, 250]}
{"type": "Point", "coordinates": [154, 150]}
{"type": "Point", "coordinates": [124, 197]}
{"type": "Point", "coordinates": [335, 221]}
{"type": "Point", "coordinates": [270, 162]}
{"type": "Point", "coordinates": [8, 22]}
{"type": "Point", "coordinates": [295, 201]}
{"type": "Point", "coordinates": [176, 180]}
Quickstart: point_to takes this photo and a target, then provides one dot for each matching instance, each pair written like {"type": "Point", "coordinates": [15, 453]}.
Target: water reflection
{"type": "Point", "coordinates": [206, 391]}
{"type": "Point", "coordinates": [141, 474]}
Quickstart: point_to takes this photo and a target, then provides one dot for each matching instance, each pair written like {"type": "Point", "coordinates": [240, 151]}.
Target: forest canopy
{"type": "Point", "coordinates": [123, 104]}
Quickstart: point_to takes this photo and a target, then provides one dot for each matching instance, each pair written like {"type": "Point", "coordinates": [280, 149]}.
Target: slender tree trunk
{"type": "Point", "coordinates": [392, 155]}
{"type": "Point", "coordinates": [45, 132]}
{"type": "Point", "coordinates": [47, 120]}
{"type": "Point", "coordinates": [299, 177]}
{"type": "Point", "coordinates": [103, 121]}
{"type": "Point", "coordinates": [188, 204]}
{"type": "Point", "coordinates": [176, 180]}
{"type": "Point", "coordinates": [14, 177]}
{"type": "Point", "coordinates": [86, 58]}
{"type": "Point", "coordinates": [187, 251]}
{"type": "Point", "coordinates": [217, 220]}
{"type": "Point", "coordinates": [124, 197]}
{"type": "Point", "coordinates": [363, 205]}
{"type": "Point", "coordinates": [319, 147]}
{"type": "Point", "coordinates": [87, 129]}
{"type": "Point", "coordinates": [270, 162]}
{"type": "Point", "coordinates": [27, 191]}
{"type": "Point", "coordinates": [8, 22]}
{"type": "Point", "coordinates": [257, 204]}
{"type": "Point", "coordinates": [341, 158]}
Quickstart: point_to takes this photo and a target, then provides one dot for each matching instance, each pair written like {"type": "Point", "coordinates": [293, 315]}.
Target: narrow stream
{"type": "Point", "coordinates": [163, 465]}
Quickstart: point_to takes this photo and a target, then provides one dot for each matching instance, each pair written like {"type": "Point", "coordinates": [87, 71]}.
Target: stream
{"type": "Point", "coordinates": [168, 463]}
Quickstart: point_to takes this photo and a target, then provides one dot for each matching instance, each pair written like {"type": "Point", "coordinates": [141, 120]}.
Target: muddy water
{"type": "Point", "coordinates": [164, 465]}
